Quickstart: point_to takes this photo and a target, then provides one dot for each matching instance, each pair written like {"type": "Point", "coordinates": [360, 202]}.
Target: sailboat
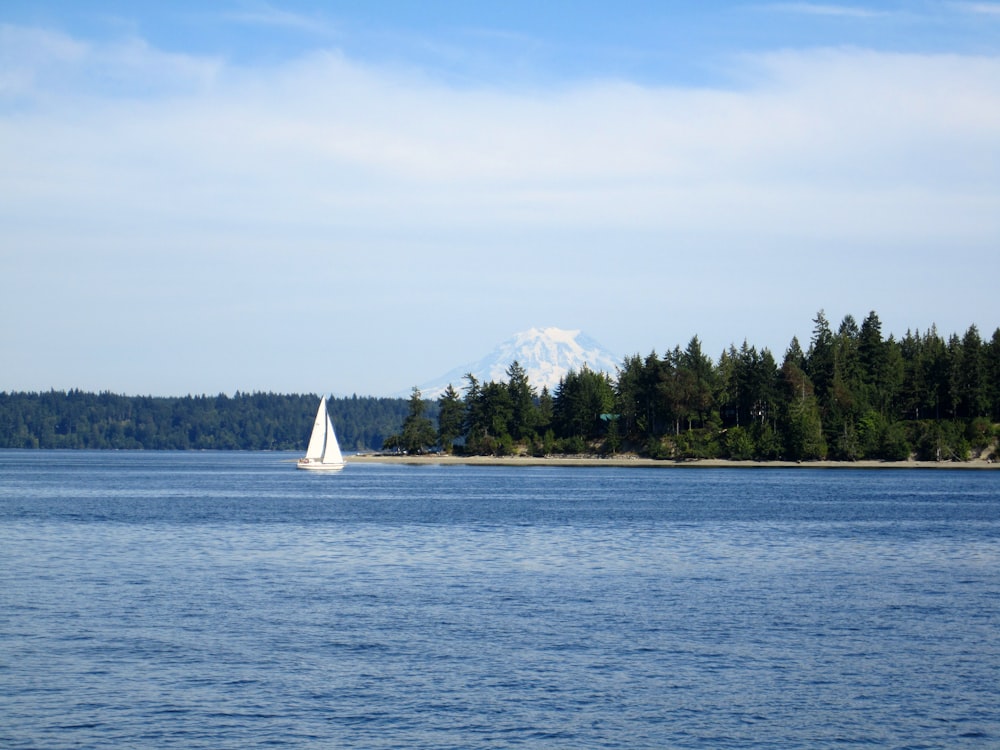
{"type": "Point", "coordinates": [323, 453]}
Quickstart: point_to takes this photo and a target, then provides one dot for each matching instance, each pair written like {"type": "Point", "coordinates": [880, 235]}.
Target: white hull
{"type": "Point", "coordinates": [318, 466]}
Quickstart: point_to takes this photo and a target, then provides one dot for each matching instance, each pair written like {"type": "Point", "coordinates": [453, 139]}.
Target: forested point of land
{"type": "Point", "coordinates": [850, 395]}
{"type": "Point", "coordinates": [244, 421]}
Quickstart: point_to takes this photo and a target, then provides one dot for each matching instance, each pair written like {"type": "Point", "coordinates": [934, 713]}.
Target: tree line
{"type": "Point", "coordinates": [244, 421]}
{"type": "Point", "coordinates": [851, 394]}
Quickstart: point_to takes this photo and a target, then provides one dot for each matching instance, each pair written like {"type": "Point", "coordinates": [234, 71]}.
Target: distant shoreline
{"type": "Point", "coordinates": [628, 461]}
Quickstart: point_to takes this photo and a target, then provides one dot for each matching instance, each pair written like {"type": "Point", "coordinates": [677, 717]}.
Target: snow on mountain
{"type": "Point", "coordinates": [546, 354]}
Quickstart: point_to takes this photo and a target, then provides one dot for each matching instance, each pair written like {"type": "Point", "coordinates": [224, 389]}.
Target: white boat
{"type": "Point", "coordinates": [323, 453]}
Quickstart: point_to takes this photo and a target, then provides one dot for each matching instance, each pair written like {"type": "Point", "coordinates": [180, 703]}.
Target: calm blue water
{"type": "Point", "coordinates": [200, 600]}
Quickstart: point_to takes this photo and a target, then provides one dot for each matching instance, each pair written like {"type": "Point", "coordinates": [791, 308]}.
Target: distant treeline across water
{"type": "Point", "coordinates": [244, 421]}
{"type": "Point", "coordinates": [851, 394]}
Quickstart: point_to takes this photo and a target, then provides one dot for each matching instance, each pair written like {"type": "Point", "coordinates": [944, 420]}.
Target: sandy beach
{"type": "Point", "coordinates": [631, 461]}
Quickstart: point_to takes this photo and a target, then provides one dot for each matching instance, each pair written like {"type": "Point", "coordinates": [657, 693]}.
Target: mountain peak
{"type": "Point", "coordinates": [546, 354]}
{"type": "Point", "coordinates": [551, 334]}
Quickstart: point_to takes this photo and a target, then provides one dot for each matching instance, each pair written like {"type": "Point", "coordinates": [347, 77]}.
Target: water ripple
{"type": "Point", "coordinates": [225, 601]}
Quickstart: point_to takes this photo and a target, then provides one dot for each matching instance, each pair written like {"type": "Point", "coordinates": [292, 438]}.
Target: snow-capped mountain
{"type": "Point", "coordinates": [546, 354]}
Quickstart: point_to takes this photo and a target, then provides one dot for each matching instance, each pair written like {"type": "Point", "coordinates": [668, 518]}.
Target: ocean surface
{"type": "Point", "coordinates": [226, 600]}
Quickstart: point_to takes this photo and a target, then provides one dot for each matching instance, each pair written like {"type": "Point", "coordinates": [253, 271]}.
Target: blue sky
{"type": "Point", "coordinates": [358, 197]}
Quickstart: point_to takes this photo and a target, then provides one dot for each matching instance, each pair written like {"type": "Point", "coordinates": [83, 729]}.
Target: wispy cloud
{"type": "Point", "coordinates": [829, 119]}
{"type": "Point", "coordinates": [51, 64]}
{"type": "Point", "coordinates": [821, 9]}
{"type": "Point", "coordinates": [376, 181]}
{"type": "Point", "coordinates": [988, 9]}
{"type": "Point", "coordinates": [267, 15]}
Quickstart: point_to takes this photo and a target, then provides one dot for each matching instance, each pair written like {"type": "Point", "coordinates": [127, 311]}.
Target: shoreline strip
{"type": "Point", "coordinates": [637, 462]}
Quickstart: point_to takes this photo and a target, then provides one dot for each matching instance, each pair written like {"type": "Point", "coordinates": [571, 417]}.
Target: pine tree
{"type": "Point", "coordinates": [450, 418]}
{"type": "Point", "coordinates": [819, 362]}
{"type": "Point", "coordinates": [418, 431]}
{"type": "Point", "coordinates": [522, 399]}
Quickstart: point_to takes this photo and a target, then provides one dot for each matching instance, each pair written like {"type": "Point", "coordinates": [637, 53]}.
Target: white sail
{"type": "Point", "coordinates": [317, 440]}
{"type": "Point", "coordinates": [331, 451]}
{"type": "Point", "coordinates": [323, 453]}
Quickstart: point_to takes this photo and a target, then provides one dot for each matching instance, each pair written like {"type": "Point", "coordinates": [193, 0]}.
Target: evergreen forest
{"type": "Point", "coordinates": [244, 421]}
{"type": "Point", "coordinates": [849, 394]}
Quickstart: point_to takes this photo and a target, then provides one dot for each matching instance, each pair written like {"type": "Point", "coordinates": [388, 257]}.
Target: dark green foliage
{"type": "Point", "coordinates": [524, 416]}
{"type": "Point", "coordinates": [979, 433]}
{"type": "Point", "coordinates": [697, 384]}
{"type": "Point", "coordinates": [940, 440]}
{"type": "Point", "coordinates": [819, 361]}
{"type": "Point", "coordinates": [543, 414]}
{"type": "Point", "coordinates": [574, 445]}
{"type": "Point", "coordinates": [450, 417]}
{"type": "Point", "coordinates": [697, 443]}
{"type": "Point", "coordinates": [853, 395]}
{"type": "Point", "coordinates": [245, 421]}
{"type": "Point", "coordinates": [508, 418]}
{"type": "Point", "coordinates": [747, 386]}
{"type": "Point", "coordinates": [580, 400]}
{"type": "Point", "coordinates": [495, 412]}
{"type": "Point", "coordinates": [804, 439]}
{"type": "Point", "coordinates": [418, 433]}
{"type": "Point", "coordinates": [738, 444]}
{"type": "Point", "coordinates": [657, 448]}
{"type": "Point", "coordinates": [490, 420]}
{"type": "Point", "coordinates": [767, 442]}
{"type": "Point", "coordinates": [544, 446]}
{"type": "Point", "coordinates": [991, 369]}
{"type": "Point", "coordinates": [613, 438]}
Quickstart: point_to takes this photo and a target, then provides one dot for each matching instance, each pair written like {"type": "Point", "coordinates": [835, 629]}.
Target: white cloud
{"type": "Point", "coordinates": [58, 69]}
{"type": "Point", "coordinates": [27, 54]}
{"type": "Point", "coordinates": [324, 140]}
{"type": "Point", "coordinates": [988, 9]}
{"type": "Point", "coordinates": [820, 9]}
{"type": "Point", "coordinates": [255, 198]}
{"type": "Point", "coordinates": [265, 14]}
